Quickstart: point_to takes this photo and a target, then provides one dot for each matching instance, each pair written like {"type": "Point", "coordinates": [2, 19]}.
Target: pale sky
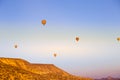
{"type": "Point", "coordinates": [96, 22]}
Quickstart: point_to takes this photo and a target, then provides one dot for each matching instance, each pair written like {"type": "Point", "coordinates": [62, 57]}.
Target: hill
{"type": "Point", "coordinates": [19, 69]}
{"type": "Point", "coordinates": [108, 78]}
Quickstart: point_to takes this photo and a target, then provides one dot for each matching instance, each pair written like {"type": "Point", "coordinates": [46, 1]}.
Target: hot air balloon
{"type": "Point", "coordinates": [43, 21]}
{"type": "Point", "coordinates": [118, 38]}
{"type": "Point", "coordinates": [77, 39]}
{"type": "Point", "coordinates": [16, 46]}
{"type": "Point", "coordinates": [55, 54]}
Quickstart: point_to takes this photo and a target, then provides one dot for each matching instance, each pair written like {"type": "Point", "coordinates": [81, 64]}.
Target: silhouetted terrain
{"type": "Point", "coordinates": [18, 69]}
{"type": "Point", "coordinates": [108, 78]}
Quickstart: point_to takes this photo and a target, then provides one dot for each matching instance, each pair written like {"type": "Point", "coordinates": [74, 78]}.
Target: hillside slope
{"type": "Point", "coordinates": [35, 68]}
{"type": "Point", "coordinates": [8, 72]}
{"type": "Point", "coordinates": [19, 69]}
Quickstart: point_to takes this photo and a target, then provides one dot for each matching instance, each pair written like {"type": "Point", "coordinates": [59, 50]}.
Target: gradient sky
{"type": "Point", "coordinates": [96, 22]}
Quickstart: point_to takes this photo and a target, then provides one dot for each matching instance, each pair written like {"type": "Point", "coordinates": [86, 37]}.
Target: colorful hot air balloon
{"type": "Point", "coordinates": [43, 21]}
{"type": "Point", "coordinates": [118, 38]}
{"type": "Point", "coordinates": [55, 54]}
{"type": "Point", "coordinates": [77, 39]}
{"type": "Point", "coordinates": [16, 46]}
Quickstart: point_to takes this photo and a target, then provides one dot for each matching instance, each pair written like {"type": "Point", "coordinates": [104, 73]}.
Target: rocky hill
{"type": "Point", "coordinates": [19, 69]}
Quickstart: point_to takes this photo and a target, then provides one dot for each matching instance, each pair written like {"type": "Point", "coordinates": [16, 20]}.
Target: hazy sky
{"type": "Point", "coordinates": [96, 22]}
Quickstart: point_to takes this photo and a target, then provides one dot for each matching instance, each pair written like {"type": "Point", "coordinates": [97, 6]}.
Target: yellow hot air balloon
{"type": "Point", "coordinates": [16, 46]}
{"type": "Point", "coordinates": [43, 21]}
{"type": "Point", "coordinates": [54, 54]}
{"type": "Point", "coordinates": [118, 38]}
{"type": "Point", "coordinates": [77, 39]}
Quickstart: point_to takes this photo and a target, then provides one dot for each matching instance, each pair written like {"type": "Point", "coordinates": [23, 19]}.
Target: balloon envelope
{"type": "Point", "coordinates": [118, 38]}
{"type": "Point", "coordinates": [55, 54]}
{"type": "Point", "coordinates": [15, 46]}
{"type": "Point", "coordinates": [43, 21]}
{"type": "Point", "coordinates": [77, 39]}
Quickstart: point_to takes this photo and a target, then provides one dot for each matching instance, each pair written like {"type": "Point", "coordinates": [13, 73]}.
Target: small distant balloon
{"type": "Point", "coordinates": [15, 46]}
{"type": "Point", "coordinates": [43, 21]}
{"type": "Point", "coordinates": [118, 38]}
{"type": "Point", "coordinates": [54, 54]}
{"type": "Point", "coordinates": [77, 39]}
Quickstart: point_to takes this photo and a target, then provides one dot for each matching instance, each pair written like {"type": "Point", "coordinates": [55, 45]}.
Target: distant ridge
{"type": "Point", "coordinates": [19, 69]}
{"type": "Point", "coordinates": [108, 78]}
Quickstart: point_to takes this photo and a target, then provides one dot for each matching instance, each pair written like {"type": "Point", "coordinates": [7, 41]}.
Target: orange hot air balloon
{"type": "Point", "coordinates": [43, 21]}
{"type": "Point", "coordinates": [55, 54]}
{"type": "Point", "coordinates": [77, 39]}
{"type": "Point", "coordinates": [118, 38]}
{"type": "Point", "coordinates": [16, 46]}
